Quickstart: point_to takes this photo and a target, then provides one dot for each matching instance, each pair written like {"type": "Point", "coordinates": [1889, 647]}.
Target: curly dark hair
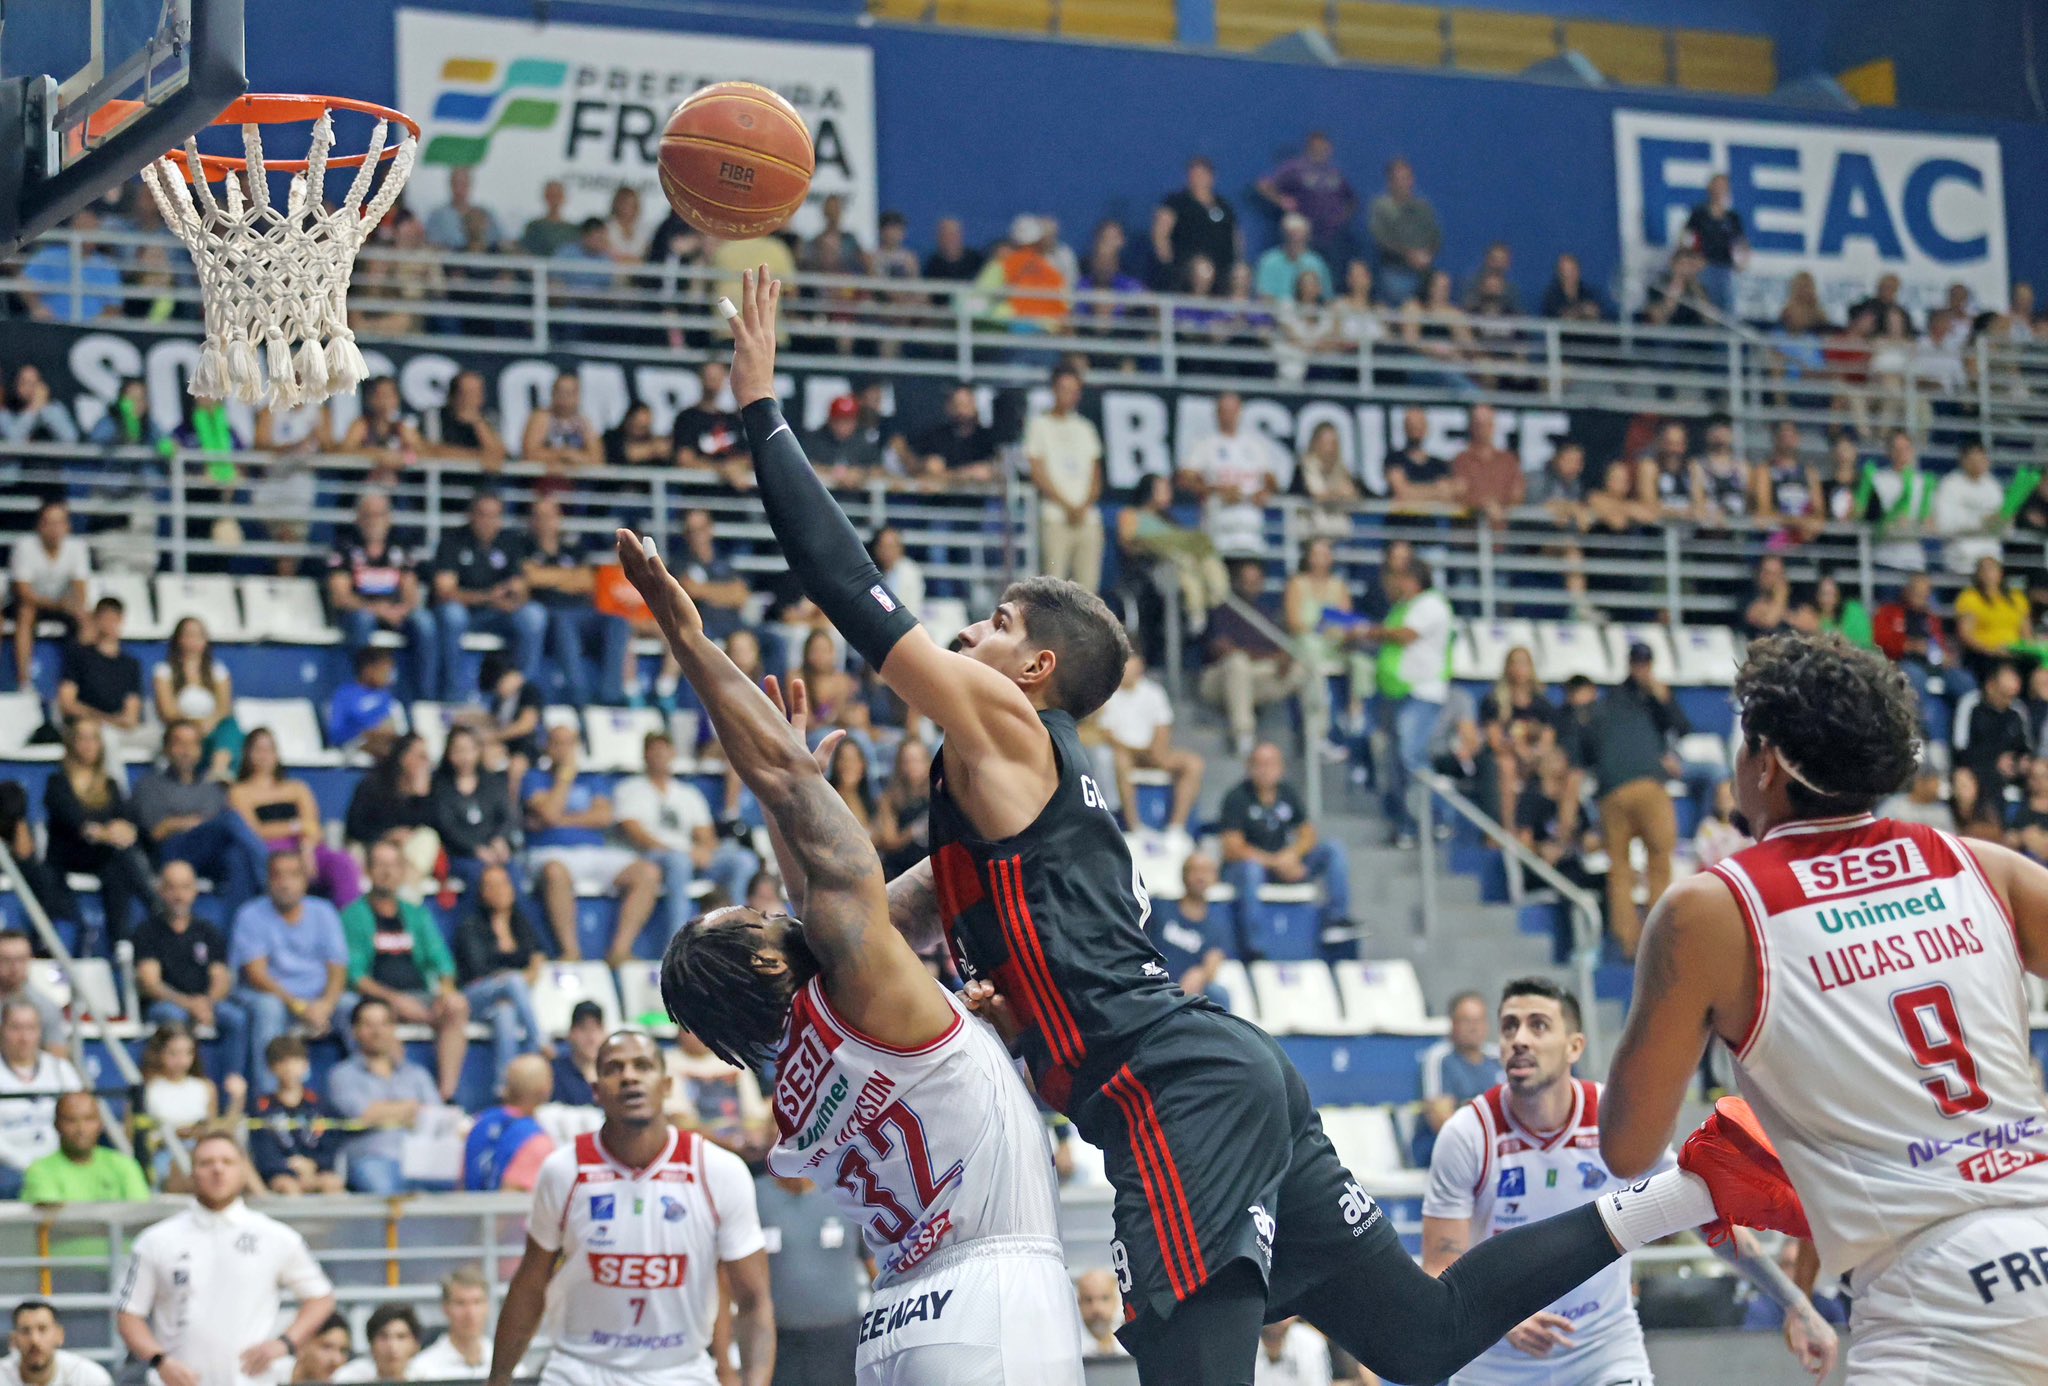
{"type": "Point", "coordinates": [711, 986]}
{"type": "Point", "coordinates": [1845, 717]}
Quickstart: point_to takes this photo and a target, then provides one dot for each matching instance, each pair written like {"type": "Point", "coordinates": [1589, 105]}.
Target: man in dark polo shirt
{"type": "Point", "coordinates": [816, 1270]}
{"type": "Point", "coordinates": [1267, 837]}
{"type": "Point", "coordinates": [1414, 474]}
{"type": "Point", "coordinates": [372, 585]}
{"type": "Point", "coordinates": [1625, 742]}
{"type": "Point", "coordinates": [576, 1060]}
{"type": "Point", "coordinates": [99, 679]}
{"type": "Point", "coordinates": [181, 969]}
{"type": "Point", "coordinates": [480, 585]}
{"type": "Point", "coordinates": [957, 448]}
{"type": "Point", "coordinates": [561, 570]}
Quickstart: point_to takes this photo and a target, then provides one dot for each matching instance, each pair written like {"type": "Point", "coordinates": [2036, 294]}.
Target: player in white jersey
{"type": "Point", "coordinates": [888, 1093]}
{"type": "Point", "coordinates": [633, 1224]}
{"type": "Point", "coordinates": [39, 1358]}
{"type": "Point", "coordinates": [1868, 976]}
{"type": "Point", "coordinates": [1529, 1148]}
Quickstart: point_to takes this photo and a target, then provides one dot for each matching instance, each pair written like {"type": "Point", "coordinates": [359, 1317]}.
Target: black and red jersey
{"type": "Point", "coordinates": [1055, 916]}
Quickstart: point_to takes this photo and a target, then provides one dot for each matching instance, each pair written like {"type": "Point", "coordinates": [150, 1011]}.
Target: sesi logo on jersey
{"type": "Point", "coordinates": [1862, 868]}
{"type": "Point", "coordinates": [628, 1272]}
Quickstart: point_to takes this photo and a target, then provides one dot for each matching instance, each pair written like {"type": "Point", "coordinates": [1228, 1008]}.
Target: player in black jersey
{"type": "Point", "coordinates": [1231, 1206]}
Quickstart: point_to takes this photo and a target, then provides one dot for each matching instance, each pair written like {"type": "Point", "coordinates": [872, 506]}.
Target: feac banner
{"type": "Point", "coordinates": [1845, 204]}
{"type": "Point", "coordinates": [1146, 430]}
{"type": "Point", "coordinates": [522, 103]}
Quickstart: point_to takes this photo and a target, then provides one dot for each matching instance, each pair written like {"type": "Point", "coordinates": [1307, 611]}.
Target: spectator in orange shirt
{"type": "Point", "coordinates": [1036, 286]}
{"type": "Point", "coordinates": [1492, 477]}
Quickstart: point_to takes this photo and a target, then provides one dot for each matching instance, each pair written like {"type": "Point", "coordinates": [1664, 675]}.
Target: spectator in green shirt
{"type": "Point", "coordinates": [81, 1170]}
{"type": "Point", "coordinates": [397, 954]}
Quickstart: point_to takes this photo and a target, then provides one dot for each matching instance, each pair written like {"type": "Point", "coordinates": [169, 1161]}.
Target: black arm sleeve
{"type": "Point", "coordinates": [818, 541]}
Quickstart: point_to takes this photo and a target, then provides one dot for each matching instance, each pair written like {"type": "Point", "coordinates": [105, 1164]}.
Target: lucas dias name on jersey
{"type": "Point", "coordinates": [1869, 959]}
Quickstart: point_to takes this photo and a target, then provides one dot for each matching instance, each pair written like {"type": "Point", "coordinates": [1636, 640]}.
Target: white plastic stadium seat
{"type": "Point", "coordinates": [1486, 645]}
{"type": "Point", "coordinates": [563, 984]}
{"type": "Point", "coordinates": [640, 992]}
{"type": "Point", "coordinates": [89, 978]}
{"type": "Point", "coordinates": [1566, 648]}
{"type": "Point", "coordinates": [1237, 986]}
{"type": "Point", "coordinates": [1706, 656]}
{"type": "Point", "coordinates": [431, 722]}
{"type": "Point", "coordinates": [944, 618]}
{"type": "Point", "coordinates": [562, 715]}
{"type": "Point", "coordinates": [21, 716]}
{"type": "Point", "coordinates": [295, 725]}
{"type": "Point", "coordinates": [1705, 748]}
{"type": "Point", "coordinates": [138, 607]}
{"type": "Point", "coordinates": [1663, 663]}
{"type": "Point", "coordinates": [1160, 857]}
{"type": "Point", "coordinates": [1365, 1139]}
{"type": "Point", "coordinates": [209, 596]}
{"type": "Point", "coordinates": [617, 737]}
{"type": "Point", "coordinates": [1383, 996]}
{"type": "Point", "coordinates": [287, 610]}
{"type": "Point", "coordinates": [1298, 998]}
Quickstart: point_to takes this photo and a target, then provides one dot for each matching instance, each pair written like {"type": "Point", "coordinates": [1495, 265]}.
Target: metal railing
{"type": "Point", "coordinates": [1583, 908]}
{"type": "Point", "coordinates": [1994, 390]}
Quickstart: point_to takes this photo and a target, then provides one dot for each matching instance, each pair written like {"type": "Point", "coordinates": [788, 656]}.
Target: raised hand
{"type": "Point", "coordinates": [753, 337]}
{"type": "Point", "coordinates": [667, 602]}
{"type": "Point", "coordinates": [797, 708]}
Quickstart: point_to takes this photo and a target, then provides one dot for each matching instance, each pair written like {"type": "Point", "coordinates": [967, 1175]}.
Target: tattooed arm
{"type": "Point", "coordinates": [870, 972]}
{"type": "Point", "coordinates": [914, 906]}
{"type": "Point", "coordinates": [1808, 1337]}
{"type": "Point", "coordinates": [1696, 975]}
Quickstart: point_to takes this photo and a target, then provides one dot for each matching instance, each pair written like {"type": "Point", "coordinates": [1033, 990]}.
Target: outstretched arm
{"type": "Point", "coordinates": [999, 752]}
{"type": "Point", "coordinates": [1807, 1335]}
{"type": "Point", "coordinates": [870, 972]}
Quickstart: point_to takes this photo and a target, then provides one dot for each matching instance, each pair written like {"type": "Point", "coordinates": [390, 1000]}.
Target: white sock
{"type": "Point", "coordinates": [1658, 1207]}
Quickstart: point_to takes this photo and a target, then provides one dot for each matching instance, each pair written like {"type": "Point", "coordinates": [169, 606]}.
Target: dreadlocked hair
{"type": "Point", "coordinates": [712, 989]}
{"type": "Point", "coordinates": [1845, 717]}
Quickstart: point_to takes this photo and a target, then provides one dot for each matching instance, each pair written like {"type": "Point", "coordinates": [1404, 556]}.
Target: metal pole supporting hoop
{"type": "Point", "coordinates": [275, 276]}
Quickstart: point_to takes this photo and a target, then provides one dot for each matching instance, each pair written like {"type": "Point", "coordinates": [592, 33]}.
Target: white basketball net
{"type": "Point", "coordinates": [277, 278]}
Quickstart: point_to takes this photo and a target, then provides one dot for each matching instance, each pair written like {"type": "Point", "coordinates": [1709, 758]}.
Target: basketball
{"type": "Point", "coordinates": [736, 160]}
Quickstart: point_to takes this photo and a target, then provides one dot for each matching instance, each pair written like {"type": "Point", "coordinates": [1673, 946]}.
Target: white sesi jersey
{"type": "Point", "coordinates": [637, 1288]}
{"type": "Point", "coordinates": [1889, 1057]}
{"type": "Point", "coordinates": [1490, 1169]}
{"type": "Point", "coordinates": [929, 1148]}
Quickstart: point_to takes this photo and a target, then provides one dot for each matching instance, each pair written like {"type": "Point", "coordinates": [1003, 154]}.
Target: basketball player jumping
{"type": "Point", "coordinates": [1530, 1147]}
{"type": "Point", "coordinates": [1868, 976]}
{"type": "Point", "coordinates": [639, 1220]}
{"type": "Point", "coordinates": [1231, 1206]}
{"type": "Point", "coordinates": [886, 1091]}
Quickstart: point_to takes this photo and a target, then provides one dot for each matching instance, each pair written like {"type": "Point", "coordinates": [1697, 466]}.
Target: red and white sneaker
{"type": "Point", "coordinates": [1741, 1168]}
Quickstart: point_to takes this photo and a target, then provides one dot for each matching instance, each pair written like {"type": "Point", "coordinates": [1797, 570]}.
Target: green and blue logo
{"type": "Point", "coordinates": [473, 95]}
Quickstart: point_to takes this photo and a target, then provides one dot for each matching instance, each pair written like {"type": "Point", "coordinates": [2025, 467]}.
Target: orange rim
{"type": "Point", "coordinates": [268, 109]}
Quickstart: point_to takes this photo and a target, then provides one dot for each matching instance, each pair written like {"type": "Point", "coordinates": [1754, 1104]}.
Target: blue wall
{"type": "Point", "coordinates": [983, 126]}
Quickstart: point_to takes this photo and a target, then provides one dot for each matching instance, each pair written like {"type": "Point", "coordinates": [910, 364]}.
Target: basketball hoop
{"type": "Point", "coordinates": [275, 277]}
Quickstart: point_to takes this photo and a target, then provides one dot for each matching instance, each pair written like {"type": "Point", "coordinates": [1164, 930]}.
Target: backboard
{"type": "Point", "coordinates": [92, 90]}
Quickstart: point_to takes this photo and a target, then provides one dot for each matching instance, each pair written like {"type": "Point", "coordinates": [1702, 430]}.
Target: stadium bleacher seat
{"type": "Point", "coordinates": [1398, 35]}
{"type": "Point", "coordinates": [944, 618]}
{"type": "Point", "coordinates": [562, 715]}
{"type": "Point", "coordinates": [1499, 41]}
{"type": "Point", "coordinates": [640, 994]}
{"type": "Point", "coordinates": [431, 721]}
{"type": "Point", "coordinates": [1706, 656]}
{"type": "Point", "coordinates": [1298, 998]}
{"type": "Point", "coordinates": [1630, 53]}
{"type": "Point", "coordinates": [1706, 748]}
{"type": "Point", "coordinates": [139, 618]}
{"type": "Point", "coordinates": [1479, 655]}
{"type": "Point", "coordinates": [287, 610]}
{"type": "Point", "coordinates": [1286, 925]}
{"type": "Point", "coordinates": [563, 984]}
{"type": "Point", "coordinates": [294, 723]}
{"type": "Point", "coordinates": [1160, 857]}
{"type": "Point", "coordinates": [1126, 21]}
{"type": "Point", "coordinates": [209, 596]}
{"type": "Point", "coordinates": [21, 716]}
{"type": "Point", "coordinates": [1366, 1140]}
{"type": "Point", "coordinates": [1236, 984]}
{"type": "Point", "coordinates": [1566, 648]}
{"type": "Point", "coordinates": [91, 979]}
{"type": "Point", "coordinates": [1382, 996]}
{"type": "Point", "coordinates": [617, 737]}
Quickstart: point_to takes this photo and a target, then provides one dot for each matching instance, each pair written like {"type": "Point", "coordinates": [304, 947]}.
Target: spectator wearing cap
{"type": "Point", "coordinates": [576, 1060]}
{"type": "Point", "coordinates": [80, 1169]}
{"type": "Point", "coordinates": [1405, 235]}
{"type": "Point", "coordinates": [1311, 185]}
{"type": "Point", "coordinates": [842, 451]}
{"type": "Point", "coordinates": [1282, 265]}
{"type": "Point", "coordinates": [1065, 454]}
{"type": "Point", "coordinates": [1625, 742]}
{"type": "Point", "coordinates": [1035, 288]}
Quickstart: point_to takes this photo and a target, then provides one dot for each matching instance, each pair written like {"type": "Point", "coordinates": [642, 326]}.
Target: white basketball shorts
{"type": "Point", "coordinates": [564, 1370]}
{"type": "Point", "coordinates": [1965, 1302]}
{"type": "Point", "coordinates": [998, 1311]}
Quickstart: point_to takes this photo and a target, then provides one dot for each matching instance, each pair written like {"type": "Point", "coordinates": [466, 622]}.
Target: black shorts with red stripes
{"type": "Point", "coordinates": [1217, 1156]}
